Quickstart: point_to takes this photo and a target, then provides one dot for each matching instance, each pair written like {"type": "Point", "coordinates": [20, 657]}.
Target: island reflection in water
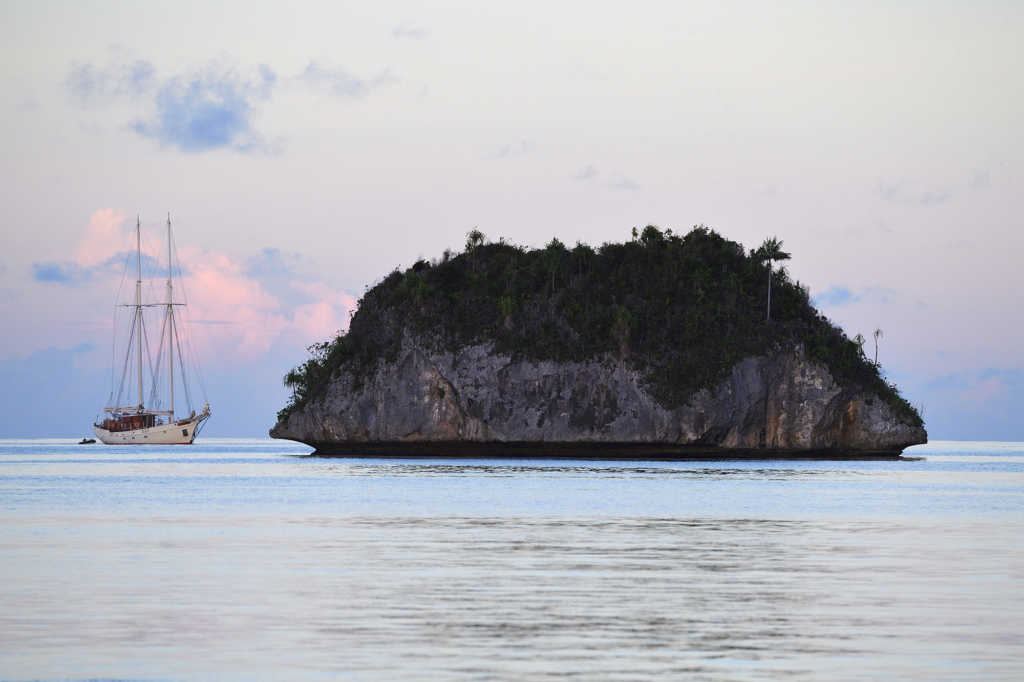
{"type": "Point", "coordinates": [241, 560]}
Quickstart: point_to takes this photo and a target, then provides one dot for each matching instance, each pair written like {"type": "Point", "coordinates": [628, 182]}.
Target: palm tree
{"type": "Point", "coordinates": [771, 251]}
{"type": "Point", "coordinates": [474, 240]}
{"type": "Point", "coordinates": [878, 334]}
{"type": "Point", "coordinates": [553, 258]}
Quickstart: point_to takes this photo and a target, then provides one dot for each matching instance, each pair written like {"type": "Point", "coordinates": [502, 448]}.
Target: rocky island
{"type": "Point", "coordinates": [663, 347]}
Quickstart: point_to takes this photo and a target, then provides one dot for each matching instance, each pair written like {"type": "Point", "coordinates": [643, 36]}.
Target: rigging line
{"type": "Point", "coordinates": [124, 273]}
{"type": "Point", "coordinates": [194, 360]}
{"type": "Point", "coordinates": [202, 425]}
{"type": "Point", "coordinates": [184, 372]}
{"type": "Point", "coordinates": [149, 274]}
{"type": "Point", "coordinates": [154, 384]}
{"type": "Point", "coordinates": [197, 368]}
{"type": "Point", "coordinates": [189, 331]}
{"type": "Point", "coordinates": [199, 373]}
{"type": "Point", "coordinates": [149, 355]}
{"type": "Point", "coordinates": [128, 349]}
{"type": "Point", "coordinates": [156, 266]}
{"type": "Point", "coordinates": [124, 368]}
{"type": "Point", "coordinates": [113, 358]}
{"type": "Point", "coordinates": [185, 382]}
{"type": "Point", "coordinates": [113, 345]}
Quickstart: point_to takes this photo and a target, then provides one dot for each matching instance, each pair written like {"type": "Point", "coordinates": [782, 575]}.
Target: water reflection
{"type": "Point", "coordinates": [444, 598]}
{"type": "Point", "coordinates": [561, 470]}
{"type": "Point", "coordinates": [251, 563]}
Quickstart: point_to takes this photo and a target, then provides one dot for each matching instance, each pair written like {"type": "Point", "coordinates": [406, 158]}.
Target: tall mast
{"type": "Point", "coordinates": [138, 303]}
{"type": "Point", "coordinates": [170, 319]}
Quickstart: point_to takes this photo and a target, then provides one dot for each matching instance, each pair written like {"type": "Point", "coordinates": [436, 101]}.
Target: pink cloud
{"type": "Point", "coordinates": [235, 319]}
{"type": "Point", "coordinates": [238, 317]}
{"type": "Point", "coordinates": [982, 392]}
{"type": "Point", "coordinates": [321, 319]}
{"type": "Point", "coordinates": [104, 237]}
{"type": "Point", "coordinates": [317, 320]}
{"type": "Point", "coordinates": [241, 321]}
{"type": "Point", "coordinates": [324, 293]}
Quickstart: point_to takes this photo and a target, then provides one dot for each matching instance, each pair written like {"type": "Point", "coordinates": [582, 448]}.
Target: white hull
{"type": "Point", "coordinates": [181, 432]}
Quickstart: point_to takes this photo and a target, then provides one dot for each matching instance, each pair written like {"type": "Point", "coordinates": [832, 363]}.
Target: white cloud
{"type": "Point", "coordinates": [407, 30]}
{"type": "Point", "coordinates": [338, 81]}
{"type": "Point", "coordinates": [905, 193]}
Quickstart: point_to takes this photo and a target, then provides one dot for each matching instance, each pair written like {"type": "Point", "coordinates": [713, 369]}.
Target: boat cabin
{"type": "Point", "coordinates": [130, 422]}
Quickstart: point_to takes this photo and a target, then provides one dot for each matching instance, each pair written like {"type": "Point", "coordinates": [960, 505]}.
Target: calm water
{"type": "Point", "coordinates": [240, 559]}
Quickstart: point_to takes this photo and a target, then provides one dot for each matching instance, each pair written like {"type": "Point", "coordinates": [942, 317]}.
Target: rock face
{"type": "Point", "coordinates": [475, 403]}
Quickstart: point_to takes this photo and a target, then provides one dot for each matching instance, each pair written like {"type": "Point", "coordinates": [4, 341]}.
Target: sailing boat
{"type": "Point", "coordinates": [127, 419]}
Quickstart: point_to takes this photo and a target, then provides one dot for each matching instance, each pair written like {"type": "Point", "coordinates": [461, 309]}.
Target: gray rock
{"type": "Point", "coordinates": [476, 402]}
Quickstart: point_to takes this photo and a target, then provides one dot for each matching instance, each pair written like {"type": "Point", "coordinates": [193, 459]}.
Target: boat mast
{"type": "Point", "coordinates": [138, 303]}
{"type": "Point", "coordinates": [170, 319]}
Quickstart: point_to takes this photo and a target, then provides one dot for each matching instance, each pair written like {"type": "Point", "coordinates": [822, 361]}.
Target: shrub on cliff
{"type": "Point", "coordinates": [681, 310]}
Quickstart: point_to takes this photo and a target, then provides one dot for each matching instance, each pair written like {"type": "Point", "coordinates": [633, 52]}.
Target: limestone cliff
{"type": "Point", "coordinates": [662, 346]}
{"type": "Point", "coordinates": [479, 402]}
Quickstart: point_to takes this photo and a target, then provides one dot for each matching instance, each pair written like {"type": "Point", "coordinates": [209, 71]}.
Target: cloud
{"type": "Point", "coordinates": [252, 318]}
{"type": "Point", "coordinates": [211, 109]}
{"type": "Point", "coordinates": [202, 109]}
{"type": "Point", "coordinates": [837, 296]}
{"type": "Point", "coordinates": [588, 173]}
{"type": "Point", "coordinates": [407, 30]}
{"type": "Point", "coordinates": [976, 404]}
{"type": "Point", "coordinates": [104, 236]}
{"type": "Point", "coordinates": [270, 262]}
{"type": "Point", "coordinates": [68, 274]}
{"type": "Point", "coordinates": [624, 183]}
{"type": "Point", "coordinates": [219, 291]}
{"type": "Point", "coordinates": [975, 389]}
{"type": "Point", "coordinates": [102, 250]}
{"type": "Point", "coordinates": [89, 85]}
{"type": "Point", "coordinates": [339, 82]}
{"type": "Point", "coordinates": [27, 105]}
{"type": "Point", "coordinates": [245, 319]}
{"type": "Point", "coordinates": [903, 194]}
{"type": "Point", "coordinates": [50, 376]}
{"type": "Point", "coordinates": [981, 181]}
{"type": "Point", "coordinates": [513, 150]}
{"type": "Point", "coordinates": [318, 291]}
{"type": "Point", "coordinates": [241, 307]}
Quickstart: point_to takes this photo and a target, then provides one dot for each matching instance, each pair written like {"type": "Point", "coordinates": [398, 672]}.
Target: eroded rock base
{"type": "Point", "coordinates": [475, 403]}
{"type": "Point", "coordinates": [578, 451]}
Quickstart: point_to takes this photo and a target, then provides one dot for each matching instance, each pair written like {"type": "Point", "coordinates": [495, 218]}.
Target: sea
{"type": "Point", "coordinates": [251, 560]}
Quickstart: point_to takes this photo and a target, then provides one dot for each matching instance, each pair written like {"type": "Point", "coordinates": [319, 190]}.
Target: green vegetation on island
{"type": "Point", "coordinates": [681, 310]}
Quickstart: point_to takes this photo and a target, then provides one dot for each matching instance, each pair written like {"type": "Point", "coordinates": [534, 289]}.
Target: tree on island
{"type": "Point", "coordinates": [679, 309]}
{"type": "Point", "coordinates": [878, 334]}
{"type": "Point", "coordinates": [474, 240]}
{"type": "Point", "coordinates": [768, 252]}
{"type": "Point", "coordinates": [554, 257]}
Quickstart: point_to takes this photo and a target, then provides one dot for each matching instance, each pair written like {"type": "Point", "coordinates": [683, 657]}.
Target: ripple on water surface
{"type": "Point", "coordinates": [244, 560]}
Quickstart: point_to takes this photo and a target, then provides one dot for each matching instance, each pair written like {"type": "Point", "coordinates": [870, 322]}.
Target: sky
{"type": "Point", "coordinates": [305, 150]}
